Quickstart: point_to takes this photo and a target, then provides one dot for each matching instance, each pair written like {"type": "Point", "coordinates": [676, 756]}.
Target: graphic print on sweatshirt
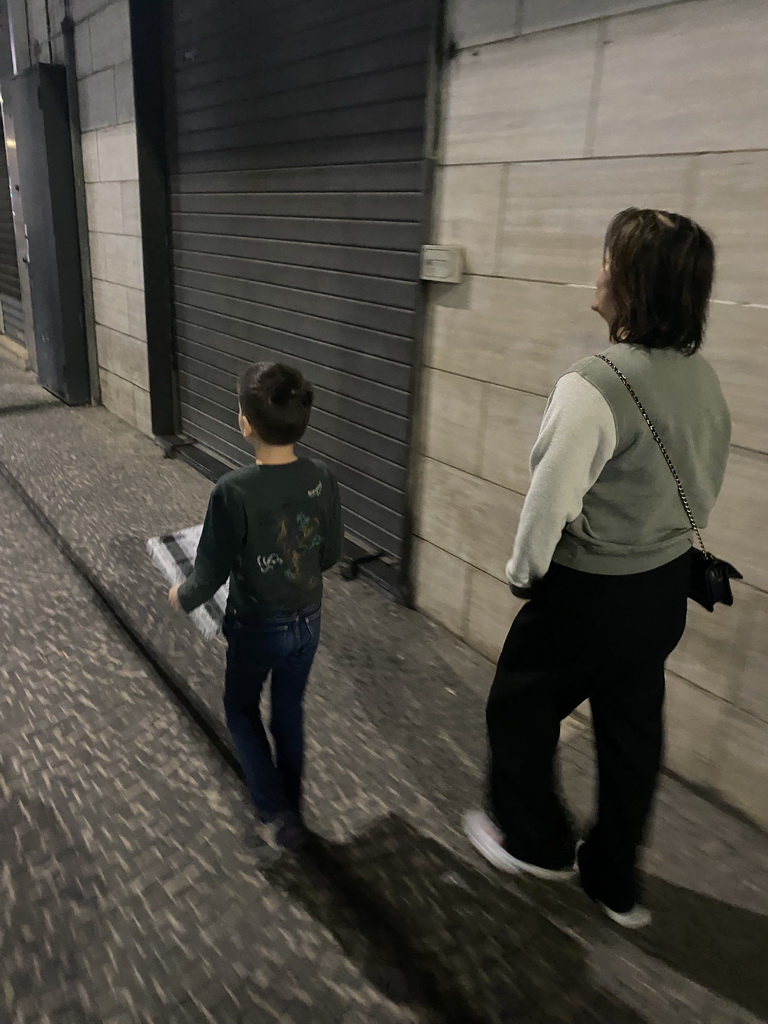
{"type": "Point", "coordinates": [295, 535]}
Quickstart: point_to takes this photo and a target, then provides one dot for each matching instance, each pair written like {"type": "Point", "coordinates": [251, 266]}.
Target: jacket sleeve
{"type": "Point", "coordinates": [221, 542]}
{"type": "Point", "coordinates": [577, 438]}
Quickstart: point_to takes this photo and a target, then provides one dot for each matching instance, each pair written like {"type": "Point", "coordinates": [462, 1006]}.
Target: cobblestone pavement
{"type": "Point", "coordinates": [128, 889]}
{"type": "Point", "coordinates": [130, 892]}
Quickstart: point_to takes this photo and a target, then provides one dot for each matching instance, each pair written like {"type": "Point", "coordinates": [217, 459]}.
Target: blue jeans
{"type": "Point", "coordinates": [285, 646]}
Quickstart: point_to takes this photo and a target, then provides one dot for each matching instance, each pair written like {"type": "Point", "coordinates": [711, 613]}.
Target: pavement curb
{"type": "Point", "coordinates": [173, 681]}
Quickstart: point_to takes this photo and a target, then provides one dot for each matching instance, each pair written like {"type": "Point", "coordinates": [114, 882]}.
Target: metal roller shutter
{"type": "Point", "coordinates": [10, 289]}
{"type": "Point", "coordinates": [297, 180]}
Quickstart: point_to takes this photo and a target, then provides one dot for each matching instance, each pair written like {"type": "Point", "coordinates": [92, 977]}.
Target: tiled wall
{"type": "Point", "coordinates": [549, 128]}
{"type": "Point", "coordinates": [105, 86]}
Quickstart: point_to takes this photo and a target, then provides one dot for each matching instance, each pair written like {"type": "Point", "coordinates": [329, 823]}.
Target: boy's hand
{"type": "Point", "coordinates": [173, 598]}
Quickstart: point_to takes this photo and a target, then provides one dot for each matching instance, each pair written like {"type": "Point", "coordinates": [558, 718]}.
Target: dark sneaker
{"type": "Point", "coordinates": [288, 831]}
{"type": "Point", "coordinates": [634, 917]}
{"type": "Point", "coordinates": [489, 842]}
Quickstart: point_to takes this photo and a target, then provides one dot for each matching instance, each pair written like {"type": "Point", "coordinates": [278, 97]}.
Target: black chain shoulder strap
{"type": "Point", "coordinates": [662, 449]}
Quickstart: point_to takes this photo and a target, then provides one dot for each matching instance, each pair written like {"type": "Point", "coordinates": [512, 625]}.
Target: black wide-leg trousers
{"type": "Point", "coordinates": [585, 637]}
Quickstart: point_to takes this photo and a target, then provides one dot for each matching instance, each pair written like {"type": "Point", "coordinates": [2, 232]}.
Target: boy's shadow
{"type": "Point", "coordinates": [440, 938]}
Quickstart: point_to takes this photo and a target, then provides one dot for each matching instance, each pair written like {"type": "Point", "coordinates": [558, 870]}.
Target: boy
{"type": "Point", "coordinates": [272, 529]}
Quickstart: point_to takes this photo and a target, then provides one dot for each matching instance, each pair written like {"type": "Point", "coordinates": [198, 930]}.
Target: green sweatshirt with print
{"type": "Point", "coordinates": [272, 531]}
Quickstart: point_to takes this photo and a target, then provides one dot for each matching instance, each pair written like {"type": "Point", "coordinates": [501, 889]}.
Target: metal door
{"type": "Point", "coordinates": [297, 188]}
{"type": "Point", "coordinates": [10, 286]}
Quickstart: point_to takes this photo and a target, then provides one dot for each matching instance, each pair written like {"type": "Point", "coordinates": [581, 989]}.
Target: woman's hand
{"type": "Point", "coordinates": [173, 598]}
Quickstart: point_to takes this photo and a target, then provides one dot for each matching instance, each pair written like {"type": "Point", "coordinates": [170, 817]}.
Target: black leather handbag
{"type": "Point", "coordinates": [710, 576]}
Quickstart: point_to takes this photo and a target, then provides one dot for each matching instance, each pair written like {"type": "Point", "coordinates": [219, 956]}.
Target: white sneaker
{"type": "Point", "coordinates": [637, 917]}
{"type": "Point", "coordinates": [489, 842]}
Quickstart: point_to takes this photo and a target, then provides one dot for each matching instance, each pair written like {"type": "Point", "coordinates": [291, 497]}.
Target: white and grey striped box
{"type": "Point", "coordinates": [174, 555]}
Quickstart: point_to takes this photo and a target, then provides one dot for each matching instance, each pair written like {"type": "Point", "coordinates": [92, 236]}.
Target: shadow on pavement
{"type": "Point", "coordinates": [717, 945]}
{"type": "Point", "coordinates": [447, 942]}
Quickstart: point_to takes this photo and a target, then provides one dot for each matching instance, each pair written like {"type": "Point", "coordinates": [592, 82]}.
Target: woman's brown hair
{"type": "Point", "coordinates": [661, 267]}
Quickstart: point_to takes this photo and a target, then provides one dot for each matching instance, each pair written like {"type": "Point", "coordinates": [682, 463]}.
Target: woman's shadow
{"type": "Point", "coordinates": [720, 946]}
{"type": "Point", "coordinates": [434, 935]}
{"type": "Point", "coordinates": [445, 941]}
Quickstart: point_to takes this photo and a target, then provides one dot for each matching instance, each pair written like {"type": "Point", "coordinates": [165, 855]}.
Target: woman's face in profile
{"type": "Point", "coordinates": [601, 303]}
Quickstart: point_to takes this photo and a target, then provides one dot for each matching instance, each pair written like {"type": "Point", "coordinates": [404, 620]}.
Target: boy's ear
{"type": "Point", "coordinates": [246, 429]}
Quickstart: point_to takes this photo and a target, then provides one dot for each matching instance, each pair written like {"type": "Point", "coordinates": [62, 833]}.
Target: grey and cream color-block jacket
{"type": "Point", "coordinates": [602, 499]}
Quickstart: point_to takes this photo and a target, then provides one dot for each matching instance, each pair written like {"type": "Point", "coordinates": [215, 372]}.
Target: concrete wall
{"type": "Point", "coordinates": [546, 134]}
{"type": "Point", "coordinates": [105, 86]}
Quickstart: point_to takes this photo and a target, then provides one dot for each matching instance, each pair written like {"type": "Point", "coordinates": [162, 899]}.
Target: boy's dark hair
{"type": "Point", "coordinates": [661, 270]}
{"type": "Point", "coordinates": [276, 400]}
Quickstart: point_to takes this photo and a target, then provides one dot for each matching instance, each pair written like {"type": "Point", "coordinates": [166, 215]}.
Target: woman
{"type": "Point", "coordinates": [602, 556]}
